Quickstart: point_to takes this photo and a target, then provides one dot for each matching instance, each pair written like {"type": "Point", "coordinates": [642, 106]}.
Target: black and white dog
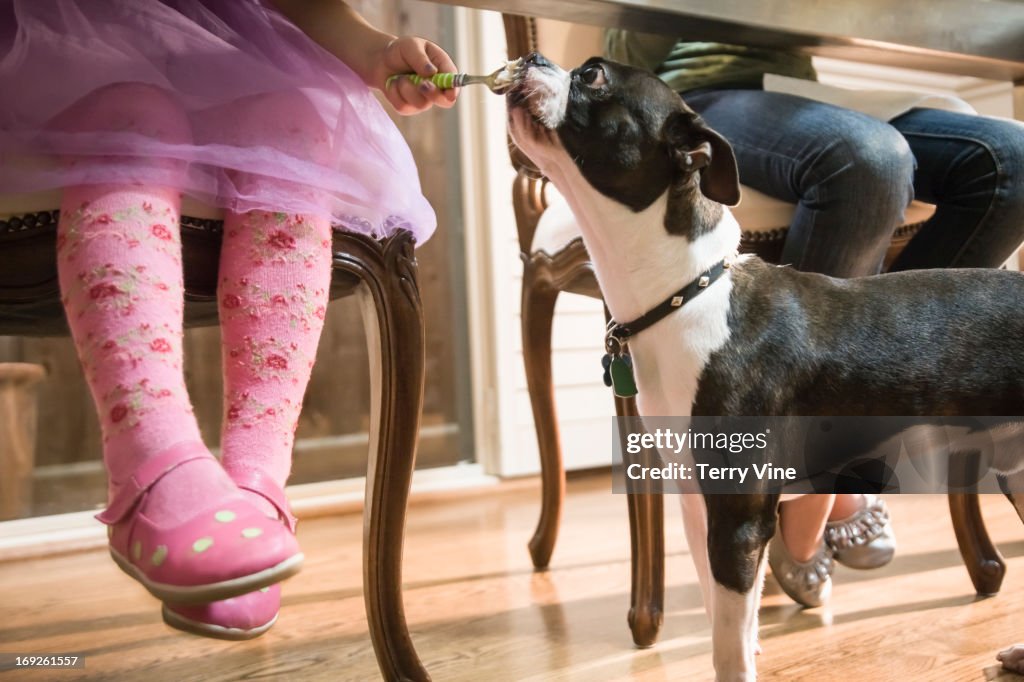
{"type": "Point", "coordinates": [648, 180]}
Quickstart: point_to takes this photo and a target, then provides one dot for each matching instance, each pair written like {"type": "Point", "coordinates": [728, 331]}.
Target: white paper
{"type": "Point", "coordinates": [884, 105]}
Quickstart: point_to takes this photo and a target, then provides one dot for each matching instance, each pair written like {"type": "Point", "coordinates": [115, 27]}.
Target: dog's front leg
{"type": "Point", "coordinates": [1013, 657]}
{"type": "Point", "coordinates": [739, 527]}
{"type": "Point", "coordinates": [695, 523]}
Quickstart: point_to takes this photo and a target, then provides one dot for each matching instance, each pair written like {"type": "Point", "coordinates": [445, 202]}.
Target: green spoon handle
{"type": "Point", "coordinates": [444, 81]}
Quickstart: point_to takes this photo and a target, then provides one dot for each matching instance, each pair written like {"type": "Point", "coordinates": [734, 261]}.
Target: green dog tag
{"type": "Point", "coordinates": [623, 382]}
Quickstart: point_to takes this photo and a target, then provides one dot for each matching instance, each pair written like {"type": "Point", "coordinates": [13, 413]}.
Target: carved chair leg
{"type": "Point", "coordinates": [538, 309]}
{"type": "Point", "coordinates": [647, 544]}
{"type": "Point", "coordinates": [18, 415]}
{"type": "Point", "coordinates": [393, 318]}
{"type": "Point", "coordinates": [983, 561]}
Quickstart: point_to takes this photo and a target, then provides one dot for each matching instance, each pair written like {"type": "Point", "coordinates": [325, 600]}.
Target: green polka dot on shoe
{"type": "Point", "coordinates": [159, 555]}
{"type": "Point", "coordinates": [252, 533]}
{"type": "Point", "coordinates": [202, 544]}
{"type": "Point", "coordinates": [136, 550]}
{"type": "Point", "coordinates": [225, 516]}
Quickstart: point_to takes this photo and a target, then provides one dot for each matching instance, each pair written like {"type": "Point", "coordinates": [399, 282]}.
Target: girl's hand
{"type": "Point", "coordinates": [373, 54]}
{"type": "Point", "coordinates": [409, 54]}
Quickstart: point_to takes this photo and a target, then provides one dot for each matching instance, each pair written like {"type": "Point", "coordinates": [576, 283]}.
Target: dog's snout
{"type": "Point", "coordinates": [536, 59]}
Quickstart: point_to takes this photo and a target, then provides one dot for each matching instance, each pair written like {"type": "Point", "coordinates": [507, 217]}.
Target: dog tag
{"type": "Point", "coordinates": [623, 383]}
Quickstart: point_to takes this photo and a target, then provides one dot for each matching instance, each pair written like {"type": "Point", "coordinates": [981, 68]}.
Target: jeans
{"type": "Point", "coordinates": [851, 177]}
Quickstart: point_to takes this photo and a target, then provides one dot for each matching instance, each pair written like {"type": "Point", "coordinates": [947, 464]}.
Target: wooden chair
{"type": "Point", "coordinates": [383, 274]}
{"type": "Point", "coordinates": [555, 260]}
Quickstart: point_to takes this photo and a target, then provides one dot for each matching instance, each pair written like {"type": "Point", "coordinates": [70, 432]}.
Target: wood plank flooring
{"type": "Point", "coordinates": [478, 612]}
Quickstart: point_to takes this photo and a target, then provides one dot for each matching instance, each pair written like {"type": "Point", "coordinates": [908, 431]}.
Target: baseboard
{"type": "Point", "coordinates": [60, 488]}
{"type": "Point", "coordinates": [79, 531]}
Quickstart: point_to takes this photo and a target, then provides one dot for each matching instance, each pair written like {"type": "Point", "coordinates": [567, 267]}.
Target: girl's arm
{"type": "Point", "coordinates": [372, 54]}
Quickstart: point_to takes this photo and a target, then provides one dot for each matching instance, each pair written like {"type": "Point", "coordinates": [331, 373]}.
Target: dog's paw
{"type": "Point", "coordinates": [1012, 658]}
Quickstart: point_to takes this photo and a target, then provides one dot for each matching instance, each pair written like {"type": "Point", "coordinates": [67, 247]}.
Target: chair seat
{"type": "Point", "coordinates": [29, 292]}
{"type": "Point", "coordinates": [758, 214]}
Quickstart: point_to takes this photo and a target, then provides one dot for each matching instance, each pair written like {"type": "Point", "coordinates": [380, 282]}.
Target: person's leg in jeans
{"type": "Point", "coordinates": [849, 175]}
{"type": "Point", "coordinates": [972, 169]}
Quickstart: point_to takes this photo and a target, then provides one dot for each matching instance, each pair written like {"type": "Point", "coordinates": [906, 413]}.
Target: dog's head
{"type": "Point", "coordinates": [630, 136]}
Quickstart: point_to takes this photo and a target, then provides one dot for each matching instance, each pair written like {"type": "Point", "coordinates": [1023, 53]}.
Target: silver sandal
{"type": "Point", "coordinates": [864, 539]}
{"type": "Point", "coordinates": [808, 583]}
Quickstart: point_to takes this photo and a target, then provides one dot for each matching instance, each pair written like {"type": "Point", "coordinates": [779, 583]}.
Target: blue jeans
{"type": "Point", "coordinates": [852, 176]}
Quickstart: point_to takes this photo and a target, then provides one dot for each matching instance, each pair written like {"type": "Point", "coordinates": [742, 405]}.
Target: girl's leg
{"type": "Point", "coordinates": [119, 264]}
{"type": "Point", "coordinates": [800, 561]}
{"type": "Point", "coordinates": [274, 278]}
{"type": "Point", "coordinates": [846, 505]}
{"type": "Point", "coordinates": [802, 521]}
{"type": "Point", "coordinates": [275, 273]}
{"type": "Point", "coordinates": [802, 524]}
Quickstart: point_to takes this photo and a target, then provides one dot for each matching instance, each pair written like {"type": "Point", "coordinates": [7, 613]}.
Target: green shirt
{"type": "Point", "coordinates": [687, 66]}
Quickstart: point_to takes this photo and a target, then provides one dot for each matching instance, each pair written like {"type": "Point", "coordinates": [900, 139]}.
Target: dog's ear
{"type": "Point", "coordinates": [696, 147]}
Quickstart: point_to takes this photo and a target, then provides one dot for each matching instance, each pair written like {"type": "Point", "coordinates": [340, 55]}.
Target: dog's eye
{"type": "Point", "coordinates": [593, 76]}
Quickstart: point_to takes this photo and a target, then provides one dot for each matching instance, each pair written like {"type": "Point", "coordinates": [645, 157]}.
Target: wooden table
{"type": "Point", "coordinates": [982, 39]}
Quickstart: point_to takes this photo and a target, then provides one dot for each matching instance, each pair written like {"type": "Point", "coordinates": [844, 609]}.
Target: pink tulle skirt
{"type": "Point", "coordinates": [242, 78]}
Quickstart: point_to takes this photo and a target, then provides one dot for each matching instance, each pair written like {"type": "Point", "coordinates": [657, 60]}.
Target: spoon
{"type": "Point", "coordinates": [497, 82]}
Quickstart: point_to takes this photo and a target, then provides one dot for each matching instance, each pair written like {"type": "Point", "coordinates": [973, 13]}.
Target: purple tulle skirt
{"type": "Point", "coordinates": [238, 74]}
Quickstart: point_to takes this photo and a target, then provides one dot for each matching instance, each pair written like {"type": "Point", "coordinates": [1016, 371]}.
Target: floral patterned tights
{"type": "Point", "coordinates": [275, 271]}
{"type": "Point", "coordinates": [119, 262]}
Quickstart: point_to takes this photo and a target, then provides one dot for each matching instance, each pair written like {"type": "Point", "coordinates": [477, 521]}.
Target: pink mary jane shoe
{"type": "Point", "coordinates": [243, 617]}
{"type": "Point", "coordinates": [223, 551]}
{"type": "Point", "coordinates": [249, 615]}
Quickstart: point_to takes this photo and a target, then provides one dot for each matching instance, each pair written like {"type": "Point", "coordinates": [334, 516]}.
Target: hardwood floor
{"type": "Point", "coordinates": [478, 612]}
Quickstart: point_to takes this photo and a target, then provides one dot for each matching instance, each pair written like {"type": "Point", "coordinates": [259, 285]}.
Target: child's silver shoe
{"type": "Point", "coordinates": [808, 583]}
{"type": "Point", "coordinates": [865, 539]}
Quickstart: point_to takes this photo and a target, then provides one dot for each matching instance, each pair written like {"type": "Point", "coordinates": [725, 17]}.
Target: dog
{"type": "Point", "coordinates": [650, 184]}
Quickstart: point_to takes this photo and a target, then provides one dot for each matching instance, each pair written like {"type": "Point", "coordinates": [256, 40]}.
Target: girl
{"type": "Point", "coordinates": [262, 109]}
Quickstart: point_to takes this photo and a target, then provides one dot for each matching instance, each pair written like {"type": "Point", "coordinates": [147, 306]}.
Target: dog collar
{"type": "Point", "coordinates": [618, 366]}
{"type": "Point", "coordinates": [618, 334]}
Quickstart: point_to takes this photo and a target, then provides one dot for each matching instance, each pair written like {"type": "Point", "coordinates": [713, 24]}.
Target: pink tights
{"type": "Point", "coordinates": [119, 261]}
{"type": "Point", "coordinates": [120, 271]}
